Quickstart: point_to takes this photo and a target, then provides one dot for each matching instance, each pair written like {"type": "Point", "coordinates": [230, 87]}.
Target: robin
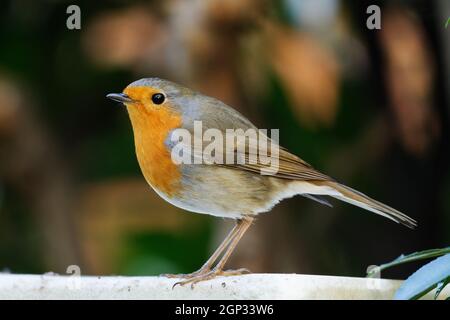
{"type": "Point", "coordinates": [237, 190]}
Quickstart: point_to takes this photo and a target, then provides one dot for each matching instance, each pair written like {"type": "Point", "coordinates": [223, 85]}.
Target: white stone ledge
{"type": "Point", "coordinates": [252, 286]}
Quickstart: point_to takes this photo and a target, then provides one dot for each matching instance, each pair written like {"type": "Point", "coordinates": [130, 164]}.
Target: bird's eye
{"type": "Point", "coordinates": [158, 98]}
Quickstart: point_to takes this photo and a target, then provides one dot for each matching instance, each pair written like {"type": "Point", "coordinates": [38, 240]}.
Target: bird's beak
{"type": "Point", "coordinates": [119, 97]}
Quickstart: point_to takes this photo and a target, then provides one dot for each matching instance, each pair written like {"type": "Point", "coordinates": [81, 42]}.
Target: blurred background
{"type": "Point", "coordinates": [368, 107]}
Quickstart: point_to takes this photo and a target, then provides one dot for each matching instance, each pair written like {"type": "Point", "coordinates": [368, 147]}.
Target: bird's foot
{"type": "Point", "coordinates": [192, 280]}
{"type": "Point", "coordinates": [187, 275]}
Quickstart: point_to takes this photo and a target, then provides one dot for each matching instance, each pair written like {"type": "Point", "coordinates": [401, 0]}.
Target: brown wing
{"type": "Point", "coordinates": [290, 167]}
{"type": "Point", "coordinates": [218, 115]}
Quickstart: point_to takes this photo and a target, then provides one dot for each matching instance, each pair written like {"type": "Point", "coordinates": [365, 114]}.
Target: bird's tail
{"type": "Point", "coordinates": [359, 199]}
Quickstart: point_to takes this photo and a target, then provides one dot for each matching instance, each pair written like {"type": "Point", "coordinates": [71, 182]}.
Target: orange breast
{"type": "Point", "coordinates": [151, 127]}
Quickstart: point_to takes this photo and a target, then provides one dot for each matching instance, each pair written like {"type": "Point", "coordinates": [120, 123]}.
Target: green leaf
{"type": "Point", "coordinates": [426, 254]}
{"type": "Point", "coordinates": [424, 279]}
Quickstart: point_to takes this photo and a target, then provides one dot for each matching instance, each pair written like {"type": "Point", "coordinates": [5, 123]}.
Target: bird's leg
{"type": "Point", "coordinates": [242, 226]}
{"type": "Point", "coordinates": [209, 263]}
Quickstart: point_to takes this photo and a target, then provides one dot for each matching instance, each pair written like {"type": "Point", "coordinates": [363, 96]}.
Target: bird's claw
{"type": "Point", "coordinates": [204, 276]}
{"type": "Point", "coordinates": [185, 275]}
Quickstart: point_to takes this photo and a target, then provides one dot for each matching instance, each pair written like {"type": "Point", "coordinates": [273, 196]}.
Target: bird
{"type": "Point", "coordinates": [240, 191]}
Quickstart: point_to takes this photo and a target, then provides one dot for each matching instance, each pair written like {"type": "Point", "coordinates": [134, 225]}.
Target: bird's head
{"type": "Point", "coordinates": [152, 94]}
{"type": "Point", "coordinates": [155, 107]}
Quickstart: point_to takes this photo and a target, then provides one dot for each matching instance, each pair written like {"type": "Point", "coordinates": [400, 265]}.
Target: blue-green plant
{"type": "Point", "coordinates": [433, 275]}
